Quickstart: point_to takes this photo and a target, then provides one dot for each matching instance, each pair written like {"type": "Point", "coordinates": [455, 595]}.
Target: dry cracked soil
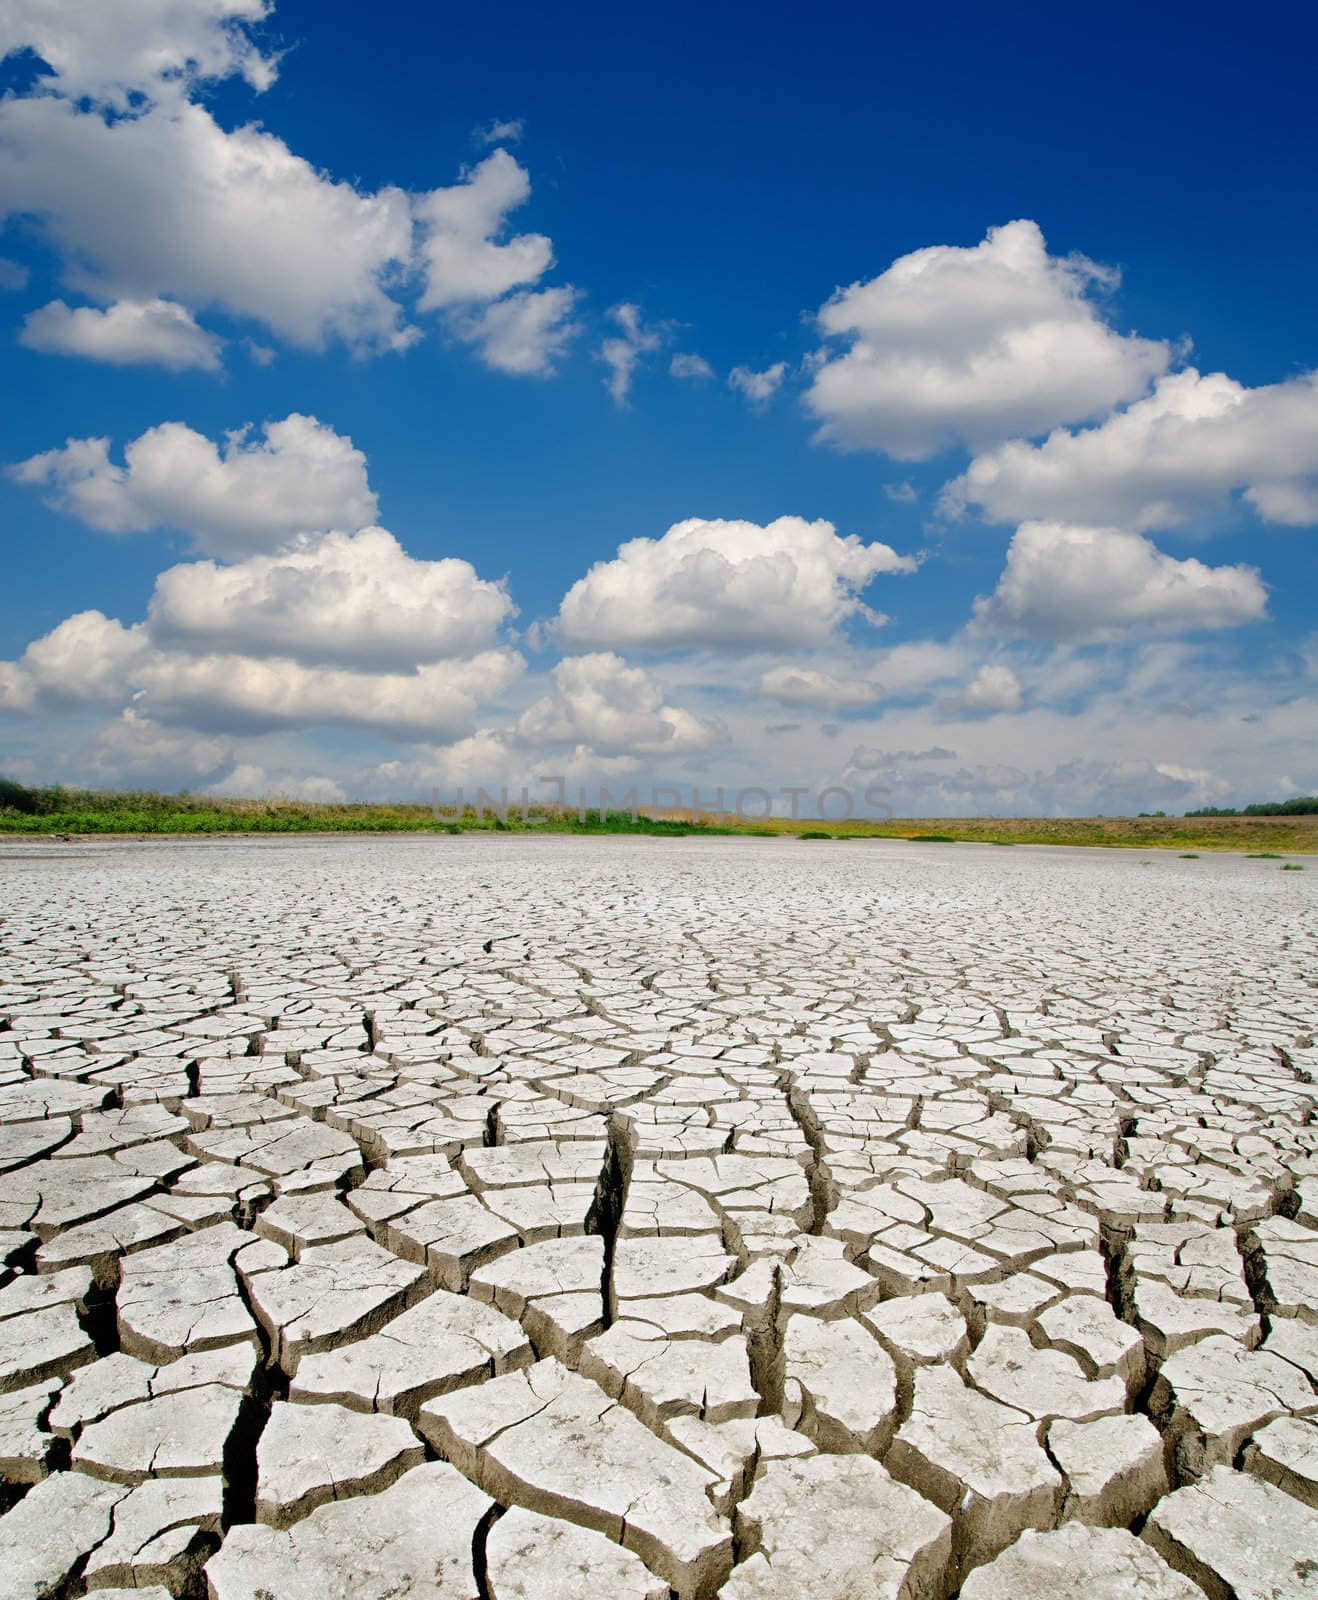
{"type": "Point", "coordinates": [553, 1219]}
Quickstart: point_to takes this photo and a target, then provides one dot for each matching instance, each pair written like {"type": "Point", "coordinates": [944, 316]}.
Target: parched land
{"type": "Point", "coordinates": [539, 1218]}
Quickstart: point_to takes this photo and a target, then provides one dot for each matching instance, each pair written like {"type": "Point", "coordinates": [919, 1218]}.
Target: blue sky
{"type": "Point", "coordinates": [1019, 305]}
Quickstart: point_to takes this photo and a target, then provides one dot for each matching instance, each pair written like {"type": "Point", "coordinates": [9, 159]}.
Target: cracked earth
{"type": "Point", "coordinates": [549, 1219]}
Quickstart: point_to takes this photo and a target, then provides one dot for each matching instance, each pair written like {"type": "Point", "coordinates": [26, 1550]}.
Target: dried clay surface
{"type": "Point", "coordinates": [516, 1218]}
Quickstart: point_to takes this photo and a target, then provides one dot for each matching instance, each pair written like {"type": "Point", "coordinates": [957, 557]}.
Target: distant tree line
{"type": "Point", "coordinates": [1304, 805]}
{"type": "Point", "coordinates": [14, 797]}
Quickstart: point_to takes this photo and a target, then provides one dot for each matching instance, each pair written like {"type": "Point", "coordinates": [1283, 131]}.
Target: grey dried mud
{"type": "Point", "coordinates": [512, 1217]}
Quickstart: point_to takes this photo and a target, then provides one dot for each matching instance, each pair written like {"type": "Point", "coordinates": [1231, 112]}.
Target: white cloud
{"type": "Point", "coordinates": [600, 701]}
{"type": "Point", "coordinates": [246, 782]}
{"type": "Point", "coordinates": [250, 782]}
{"type": "Point", "coordinates": [13, 277]}
{"type": "Point", "coordinates": [157, 333]}
{"type": "Point", "coordinates": [157, 203]}
{"type": "Point", "coordinates": [995, 687]}
{"type": "Point", "coordinates": [237, 694]}
{"type": "Point", "coordinates": [480, 283]}
{"type": "Point", "coordinates": [462, 262]}
{"type": "Point", "coordinates": [492, 759]}
{"type": "Point", "coordinates": [313, 629]}
{"type": "Point", "coordinates": [1081, 787]}
{"type": "Point", "coordinates": [973, 345]}
{"type": "Point", "coordinates": [1181, 451]}
{"type": "Point", "coordinates": [1173, 727]}
{"type": "Point", "coordinates": [807, 686]}
{"type": "Point", "coordinates": [500, 132]}
{"type": "Point", "coordinates": [917, 666]}
{"type": "Point", "coordinates": [902, 494]}
{"type": "Point", "coordinates": [347, 631]}
{"type": "Point", "coordinates": [524, 334]}
{"type": "Point", "coordinates": [348, 599]}
{"type": "Point", "coordinates": [621, 353]}
{"type": "Point", "coordinates": [686, 364]}
{"type": "Point", "coordinates": [757, 387]}
{"type": "Point", "coordinates": [87, 658]}
{"type": "Point", "coordinates": [726, 584]}
{"type": "Point", "coordinates": [485, 759]}
{"type": "Point", "coordinates": [134, 748]}
{"type": "Point", "coordinates": [1132, 742]}
{"type": "Point", "coordinates": [16, 688]}
{"type": "Point", "coordinates": [91, 659]}
{"type": "Point", "coordinates": [1083, 584]}
{"type": "Point", "coordinates": [107, 52]}
{"type": "Point", "coordinates": [249, 496]}
{"type": "Point", "coordinates": [168, 204]}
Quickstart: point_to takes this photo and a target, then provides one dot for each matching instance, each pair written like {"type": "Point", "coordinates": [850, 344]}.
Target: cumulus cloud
{"type": "Point", "coordinates": [480, 281]}
{"type": "Point", "coordinates": [1064, 582]}
{"type": "Point", "coordinates": [1187, 447]}
{"type": "Point", "coordinates": [248, 781]}
{"type": "Point", "coordinates": [300, 628]}
{"type": "Point", "coordinates": [247, 496]}
{"type": "Point", "coordinates": [807, 686]}
{"type": "Point", "coordinates": [995, 687]}
{"type": "Point", "coordinates": [758, 388]}
{"type": "Point", "coordinates": [88, 658]}
{"type": "Point", "coordinates": [348, 599]}
{"type": "Point", "coordinates": [726, 584]}
{"type": "Point", "coordinates": [974, 345]}
{"type": "Point", "coordinates": [460, 255]}
{"type": "Point", "coordinates": [157, 333]}
{"type": "Point", "coordinates": [156, 205]}
{"type": "Point", "coordinates": [159, 212]}
{"type": "Point", "coordinates": [523, 334]}
{"type": "Point", "coordinates": [238, 694]}
{"type": "Point", "coordinates": [347, 632]}
{"type": "Point", "coordinates": [91, 659]}
{"type": "Point", "coordinates": [134, 748]}
{"type": "Point", "coordinates": [600, 701]}
{"type": "Point", "coordinates": [686, 364]}
{"type": "Point", "coordinates": [494, 759]}
{"type": "Point", "coordinates": [108, 53]}
{"type": "Point", "coordinates": [167, 204]}
{"type": "Point", "coordinates": [622, 352]}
